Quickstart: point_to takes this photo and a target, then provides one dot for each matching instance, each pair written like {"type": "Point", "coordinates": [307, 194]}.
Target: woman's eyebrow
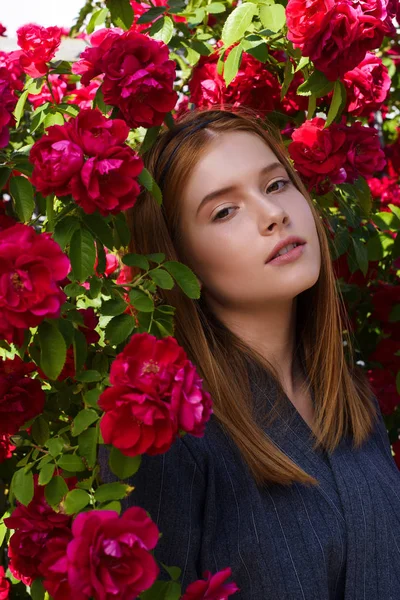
{"type": "Point", "coordinates": [232, 188]}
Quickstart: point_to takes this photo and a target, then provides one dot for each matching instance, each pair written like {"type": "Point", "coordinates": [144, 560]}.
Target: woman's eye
{"type": "Point", "coordinates": [220, 216]}
{"type": "Point", "coordinates": [283, 181]}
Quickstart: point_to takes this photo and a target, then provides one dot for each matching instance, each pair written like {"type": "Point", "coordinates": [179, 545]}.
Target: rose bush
{"type": "Point", "coordinates": [87, 353]}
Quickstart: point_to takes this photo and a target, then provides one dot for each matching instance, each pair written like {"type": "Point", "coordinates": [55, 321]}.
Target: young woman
{"type": "Point", "coordinates": [293, 485]}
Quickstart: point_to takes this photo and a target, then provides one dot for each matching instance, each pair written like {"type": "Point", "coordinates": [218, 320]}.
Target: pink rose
{"type": "Point", "coordinates": [364, 154]}
{"type": "Point", "coordinates": [39, 45]}
{"type": "Point", "coordinates": [109, 556]}
{"type": "Point", "coordinates": [319, 154]}
{"type": "Point", "coordinates": [108, 184]}
{"type": "Point", "coordinates": [5, 585]}
{"type": "Point", "coordinates": [21, 397]}
{"type": "Point", "coordinates": [56, 159]}
{"type": "Point", "coordinates": [386, 190]}
{"type": "Point", "coordinates": [7, 104]}
{"type": "Point", "coordinates": [367, 85]}
{"type": "Point", "coordinates": [31, 267]}
{"type": "Point", "coordinates": [155, 392]}
{"type": "Point", "coordinates": [35, 525]}
{"type": "Point", "coordinates": [58, 90]}
{"type": "Point", "coordinates": [337, 35]}
{"type": "Point", "coordinates": [138, 75]}
{"type": "Point", "coordinates": [213, 588]}
{"type": "Point", "coordinates": [10, 62]}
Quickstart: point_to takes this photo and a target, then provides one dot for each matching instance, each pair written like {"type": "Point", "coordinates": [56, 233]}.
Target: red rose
{"type": "Point", "coordinates": [367, 86]}
{"type": "Point", "coordinates": [6, 450]}
{"type": "Point", "coordinates": [39, 45]}
{"type": "Point", "coordinates": [319, 154]}
{"type": "Point", "coordinates": [392, 152]}
{"type": "Point", "coordinates": [84, 95]}
{"type": "Point", "coordinates": [155, 392]}
{"type": "Point", "coordinates": [90, 322]}
{"type": "Point", "coordinates": [2, 30]}
{"type": "Point", "coordinates": [96, 134]}
{"type": "Point", "coordinates": [383, 384]}
{"type": "Point", "coordinates": [35, 525]}
{"type": "Point", "coordinates": [254, 85]}
{"type": "Point", "coordinates": [53, 567]}
{"type": "Point", "coordinates": [57, 159]}
{"type": "Point", "coordinates": [337, 35]}
{"type": "Point", "coordinates": [385, 354]}
{"type": "Point", "coordinates": [109, 556]}
{"type": "Point", "coordinates": [10, 62]}
{"type": "Point", "coordinates": [213, 588]}
{"type": "Point", "coordinates": [109, 184]}
{"type": "Point", "coordinates": [5, 585]}
{"type": "Point", "coordinates": [341, 268]}
{"type": "Point", "coordinates": [364, 154]}
{"type": "Point", "coordinates": [138, 75]}
{"type": "Point", "coordinates": [31, 267]}
{"type": "Point", "coordinates": [7, 104]}
{"type": "Point", "coordinates": [384, 298]}
{"type": "Point", "coordinates": [386, 190]}
{"type": "Point", "coordinates": [58, 90]}
{"type": "Point", "coordinates": [21, 397]}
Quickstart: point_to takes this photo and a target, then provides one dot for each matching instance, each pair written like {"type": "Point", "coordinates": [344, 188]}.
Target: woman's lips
{"type": "Point", "coordinates": [289, 257]}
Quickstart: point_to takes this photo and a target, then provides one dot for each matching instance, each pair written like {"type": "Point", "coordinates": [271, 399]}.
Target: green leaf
{"type": "Point", "coordinates": [75, 500]}
{"type": "Point", "coordinates": [121, 13]}
{"type": "Point", "coordinates": [80, 350]}
{"type": "Point", "coordinates": [82, 254]}
{"type": "Point", "coordinates": [46, 473]}
{"type": "Point", "coordinates": [37, 591]}
{"type": "Point", "coordinates": [100, 229]}
{"type": "Point", "coordinates": [317, 84]}
{"type": "Point", "coordinates": [99, 103]}
{"type": "Point", "coordinates": [55, 490]}
{"type": "Point", "coordinates": [4, 175]}
{"type": "Point", "coordinates": [113, 308]}
{"type": "Point", "coordinates": [123, 231]}
{"type": "Point", "coordinates": [119, 328]}
{"type": "Point", "coordinates": [74, 289]}
{"type": "Point", "coordinates": [55, 446]}
{"type": "Point", "coordinates": [148, 141]}
{"type": "Point", "coordinates": [153, 13]}
{"type": "Point", "coordinates": [157, 257]}
{"type": "Point", "coordinates": [375, 247]}
{"type": "Point", "coordinates": [83, 420]}
{"type": "Point", "coordinates": [232, 64]}
{"type": "Point", "coordinates": [398, 382]}
{"type": "Point", "coordinates": [52, 350]}
{"type": "Point", "coordinates": [87, 443]}
{"type": "Point", "coordinates": [394, 316]}
{"type": "Point", "coordinates": [162, 279]}
{"type": "Point", "coordinates": [184, 277]}
{"type": "Point", "coordinates": [361, 255]}
{"type": "Point", "coordinates": [136, 260]}
{"type": "Point", "coordinates": [173, 572]}
{"type": "Point", "coordinates": [287, 78]}
{"type": "Point", "coordinates": [215, 8]}
{"type": "Point", "coordinates": [19, 108]}
{"type": "Point", "coordinates": [111, 491]}
{"type": "Point", "coordinates": [337, 103]}
{"type": "Point", "coordinates": [22, 486]}
{"type": "Point", "coordinates": [91, 397]}
{"type": "Point", "coordinates": [22, 191]}
{"type": "Point", "coordinates": [123, 466]}
{"type": "Point", "coordinates": [273, 17]}
{"type": "Point", "coordinates": [53, 118]}
{"type": "Point", "coordinates": [141, 301]}
{"type": "Point", "coordinates": [64, 229]}
{"type": "Point", "coordinates": [71, 462]}
{"type": "Point", "coordinates": [162, 29]}
{"type": "Point", "coordinates": [238, 22]}
{"type": "Point", "coordinates": [96, 19]}
{"type": "Point", "coordinates": [40, 430]}
{"type": "Point", "coordinates": [89, 376]}
{"type": "Point", "coordinates": [113, 505]}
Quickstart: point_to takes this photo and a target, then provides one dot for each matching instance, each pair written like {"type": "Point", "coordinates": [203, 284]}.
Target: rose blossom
{"type": "Point", "coordinates": [319, 154]}
{"type": "Point", "coordinates": [138, 75]}
{"type": "Point", "coordinates": [6, 449]}
{"type": "Point", "coordinates": [364, 154]}
{"type": "Point", "coordinates": [83, 96]}
{"type": "Point", "coordinates": [386, 190]}
{"type": "Point", "coordinates": [213, 588]}
{"type": "Point", "coordinates": [109, 556]}
{"type": "Point", "coordinates": [21, 397]}
{"type": "Point", "coordinates": [35, 525]}
{"type": "Point", "coordinates": [39, 45]}
{"type": "Point", "coordinates": [95, 134]}
{"type": "Point", "coordinates": [10, 62]}
{"type": "Point", "coordinates": [5, 585]}
{"type": "Point", "coordinates": [31, 265]}
{"type": "Point", "coordinates": [337, 35]}
{"type": "Point", "coordinates": [155, 392]}
{"type": "Point", "coordinates": [7, 104]}
{"type": "Point", "coordinates": [367, 85]}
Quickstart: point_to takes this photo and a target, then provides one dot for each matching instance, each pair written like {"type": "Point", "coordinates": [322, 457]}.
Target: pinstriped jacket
{"type": "Point", "coordinates": [337, 541]}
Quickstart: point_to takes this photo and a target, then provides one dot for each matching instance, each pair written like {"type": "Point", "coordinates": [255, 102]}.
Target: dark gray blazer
{"type": "Point", "coordinates": [338, 541]}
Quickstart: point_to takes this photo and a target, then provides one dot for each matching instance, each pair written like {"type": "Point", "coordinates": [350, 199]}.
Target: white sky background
{"type": "Point", "coordinates": [14, 13]}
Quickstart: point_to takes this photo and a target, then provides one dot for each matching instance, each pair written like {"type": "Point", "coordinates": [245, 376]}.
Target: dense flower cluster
{"type": "Point", "coordinates": [39, 45]}
{"type": "Point", "coordinates": [138, 74]}
{"type": "Point", "coordinates": [336, 154]}
{"type": "Point", "coordinates": [367, 86]}
{"type": "Point", "coordinates": [8, 101]}
{"type": "Point", "coordinates": [88, 158]}
{"type": "Point", "coordinates": [21, 397]}
{"type": "Point", "coordinates": [155, 392]}
{"type": "Point", "coordinates": [337, 35]}
{"type": "Point", "coordinates": [31, 267]}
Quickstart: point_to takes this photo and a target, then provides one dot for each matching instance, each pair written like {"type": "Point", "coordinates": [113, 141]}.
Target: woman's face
{"type": "Point", "coordinates": [228, 237]}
